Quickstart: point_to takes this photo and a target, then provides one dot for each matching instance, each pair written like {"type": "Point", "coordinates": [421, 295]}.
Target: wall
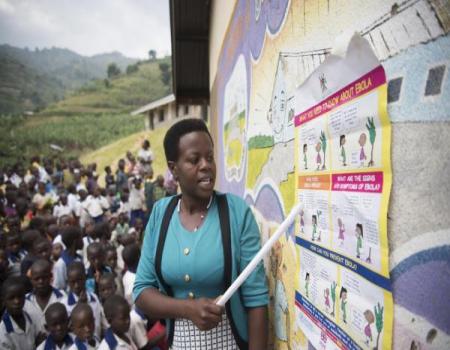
{"type": "Point", "coordinates": [272, 46]}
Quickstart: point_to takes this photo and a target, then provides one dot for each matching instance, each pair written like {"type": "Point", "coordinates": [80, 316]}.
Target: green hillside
{"type": "Point", "coordinates": [90, 118]}
{"type": "Point", "coordinates": [30, 80]}
{"type": "Point", "coordinates": [121, 94]}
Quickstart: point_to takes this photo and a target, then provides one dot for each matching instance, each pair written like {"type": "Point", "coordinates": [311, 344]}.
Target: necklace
{"type": "Point", "coordinates": [202, 216]}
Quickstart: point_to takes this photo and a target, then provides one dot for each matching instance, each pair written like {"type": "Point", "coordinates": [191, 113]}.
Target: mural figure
{"type": "Point", "coordinates": [305, 157]}
{"type": "Point", "coordinates": [341, 235]}
{"type": "Point", "coordinates": [280, 303]}
{"type": "Point", "coordinates": [302, 221]}
{"type": "Point", "coordinates": [362, 154]}
{"type": "Point", "coordinates": [319, 157]}
{"type": "Point", "coordinates": [370, 318]}
{"type": "Point", "coordinates": [323, 83]}
{"type": "Point", "coordinates": [370, 125]}
{"type": "Point", "coordinates": [323, 141]}
{"type": "Point", "coordinates": [359, 238]}
{"type": "Point", "coordinates": [307, 285]}
{"type": "Point", "coordinates": [326, 295]}
{"type": "Point", "coordinates": [343, 298]}
{"type": "Point", "coordinates": [378, 321]}
{"type": "Point", "coordinates": [314, 227]}
{"type": "Point", "coordinates": [333, 296]}
{"type": "Point", "coordinates": [343, 155]}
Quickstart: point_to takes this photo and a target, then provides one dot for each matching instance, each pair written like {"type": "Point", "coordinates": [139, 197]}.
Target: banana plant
{"type": "Point", "coordinates": [323, 141]}
{"type": "Point", "coordinates": [333, 295]}
{"type": "Point", "coordinates": [378, 321]}
{"type": "Point", "coordinates": [370, 125]}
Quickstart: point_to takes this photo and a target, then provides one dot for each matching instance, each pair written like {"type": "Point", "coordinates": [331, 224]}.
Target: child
{"type": "Point", "coordinates": [106, 287]}
{"type": "Point", "coordinates": [117, 313]}
{"type": "Point", "coordinates": [76, 278]}
{"type": "Point", "coordinates": [17, 331]}
{"type": "Point", "coordinates": [125, 206]}
{"type": "Point", "coordinates": [41, 249]}
{"type": "Point", "coordinates": [137, 200]}
{"type": "Point", "coordinates": [110, 183]}
{"type": "Point", "coordinates": [121, 228]}
{"type": "Point", "coordinates": [96, 268]}
{"type": "Point", "coordinates": [90, 237]}
{"type": "Point", "coordinates": [111, 262]}
{"type": "Point", "coordinates": [57, 325]}
{"type": "Point", "coordinates": [71, 237]}
{"type": "Point", "coordinates": [15, 252]}
{"type": "Point", "coordinates": [62, 207]}
{"type": "Point", "coordinates": [121, 177]}
{"type": "Point", "coordinates": [4, 265]}
{"type": "Point", "coordinates": [83, 326]}
{"type": "Point", "coordinates": [131, 255]}
{"type": "Point", "coordinates": [159, 191]}
{"type": "Point", "coordinates": [138, 230]}
{"type": "Point", "coordinates": [96, 205]}
{"type": "Point", "coordinates": [43, 295]}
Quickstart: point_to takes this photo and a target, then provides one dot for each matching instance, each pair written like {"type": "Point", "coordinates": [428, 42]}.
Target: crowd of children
{"type": "Point", "coordinates": [69, 249]}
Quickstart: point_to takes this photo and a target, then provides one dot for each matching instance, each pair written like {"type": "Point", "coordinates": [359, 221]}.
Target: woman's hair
{"type": "Point", "coordinates": [360, 229]}
{"type": "Point", "coordinates": [177, 131]}
{"type": "Point", "coordinates": [343, 290]}
{"type": "Point", "coordinates": [342, 137]}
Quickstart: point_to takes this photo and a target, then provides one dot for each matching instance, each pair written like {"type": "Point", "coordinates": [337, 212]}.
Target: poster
{"type": "Point", "coordinates": [343, 293]}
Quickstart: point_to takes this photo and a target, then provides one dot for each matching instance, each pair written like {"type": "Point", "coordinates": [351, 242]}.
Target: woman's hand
{"type": "Point", "coordinates": [205, 313]}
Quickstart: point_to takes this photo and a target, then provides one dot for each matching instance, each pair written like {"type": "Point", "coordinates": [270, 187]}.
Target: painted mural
{"type": "Point", "coordinates": [270, 48]}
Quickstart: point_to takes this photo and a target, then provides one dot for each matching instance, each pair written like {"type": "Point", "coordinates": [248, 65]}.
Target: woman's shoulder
{"type": "Point", "coordinates": [234, 199]}
{"type": "Point", "coordinates": [161, 205]}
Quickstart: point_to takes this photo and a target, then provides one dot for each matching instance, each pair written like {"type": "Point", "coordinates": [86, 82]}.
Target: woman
{"type": "Point", "coordinates": [190, 265]}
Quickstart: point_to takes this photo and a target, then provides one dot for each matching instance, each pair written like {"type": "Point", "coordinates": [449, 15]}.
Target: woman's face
{"type": "Point", "coordinates": [195, 168]}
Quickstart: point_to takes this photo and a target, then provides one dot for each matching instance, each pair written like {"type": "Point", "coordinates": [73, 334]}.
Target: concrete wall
{"type": "Point", "coordinates": [411, 38]}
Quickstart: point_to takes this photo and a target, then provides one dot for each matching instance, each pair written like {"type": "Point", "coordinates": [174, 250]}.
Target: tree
{"type": "Point", "coordinates": [370, 125]}
{"type": "Point", "coordinates": [323, 141]}
{"type": "Point", "coordinates": [113, 70]}
{"type": "Point", "coordinates": [132, 68]}
{"type": "Point", "coordinates": [378, 321]}
{"type": "Point", "coordinates": [333, 295]}
{"type": "Point", "coordinates": [165, 72]}
{"type": "Point", "coordinates": [152, 55]}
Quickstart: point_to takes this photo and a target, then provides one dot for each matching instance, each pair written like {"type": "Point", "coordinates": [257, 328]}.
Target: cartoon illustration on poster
{"type": "Point", "coordinates": [343, 180]}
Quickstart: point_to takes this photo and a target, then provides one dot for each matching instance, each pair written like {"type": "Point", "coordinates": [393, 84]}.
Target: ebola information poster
{"type": "Point", "coordinates": [343, 177]}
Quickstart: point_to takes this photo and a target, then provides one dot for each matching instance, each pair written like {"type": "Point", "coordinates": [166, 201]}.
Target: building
{"type": "Point", "coordinates": [165, 110]}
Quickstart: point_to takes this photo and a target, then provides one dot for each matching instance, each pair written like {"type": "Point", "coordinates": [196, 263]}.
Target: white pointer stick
{"type": "Point", "coordinates": [260, 255]}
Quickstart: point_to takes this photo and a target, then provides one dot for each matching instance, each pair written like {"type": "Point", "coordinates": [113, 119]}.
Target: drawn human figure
{"type": "Point", "coordinates": [280, 303]}
{"type": "Point", "coordinates": [343, 298]}
{"type": "Point", "coordinates": [333, 296]}
{"type": "Point", "coordinates": [362, 154]}
{"type": "Point", "coordinates": [318, 157]}
{"type": "Point", "coordinates": [326, 295]}
{"type": "Point", "coordinates": [359, 239]}
{"type": "Point", "coordinates": [314, 225]}
{"type": "Point", "coordinates": [307, 285]}
{"type": "Point", "coordinates": [305, 157]}
{"type": "Point", "coordinates": [343, 155]}
{"type": "Point", "coordinates": [341, 236]}
{"type": "Point", "coordinates": [370, 318]}
{"type": "Point", "coordinates": [302, 221]}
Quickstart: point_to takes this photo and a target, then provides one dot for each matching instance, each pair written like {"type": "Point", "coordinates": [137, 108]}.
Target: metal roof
{"type": "Point", "coordinates": [189, 20]}
{"type": "Point", "coordinates": [155, 104]}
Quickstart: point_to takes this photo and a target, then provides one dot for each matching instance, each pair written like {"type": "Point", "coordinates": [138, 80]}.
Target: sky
{"type": "Point", "coordinates": [88, 27]}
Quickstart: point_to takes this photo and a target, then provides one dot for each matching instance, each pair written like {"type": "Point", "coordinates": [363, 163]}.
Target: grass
{"type": "Point", "coordinates": [257, 157]}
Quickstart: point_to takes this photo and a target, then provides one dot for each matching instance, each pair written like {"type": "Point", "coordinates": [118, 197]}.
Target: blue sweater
{"type": "Point", "coordinates": [199, 255]}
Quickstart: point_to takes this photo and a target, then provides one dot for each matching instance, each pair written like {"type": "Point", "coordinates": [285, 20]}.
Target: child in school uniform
{"type": "Point", "coordinates": [90, 237]}
{"type": "Point", "coordinates": [106, 288]}
{"type": "Point", "coordinates": [76, 279]}
{"type": "Point", "coordinates": [41, 249]}
{"type": "Point", "coordinates": [15, 252]}
{"type": "Point", "coordinates": [117, 313]}
{"type": "Point", "coordinates": [83, 327]}
{"type": "Point", "coordinates": [71, 238]}
{"type": "Point", "coordinates": [97, 267]}
{"type": "Point", "coordinates": [111, 262]}
{"type": "Point", "coordinates": [57, 326]}
{"type": "Point", "coordinates": [43, 294]}
{"type": "Point", "coordinates": [17, 331]}
{"type": "Point", "coordinates": [131, 254]}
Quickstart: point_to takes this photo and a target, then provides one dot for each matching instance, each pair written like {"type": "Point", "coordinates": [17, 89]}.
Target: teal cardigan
{"type": "Point", "coordinates": [203, 259]}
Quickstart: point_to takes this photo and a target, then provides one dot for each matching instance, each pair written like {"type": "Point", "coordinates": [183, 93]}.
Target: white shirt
{"type": "Point", "coordinates": [61, 210]}
{"type": "Point", "coordinates": [124, 207]}
{"type": "Point", "coordinates": [12, 337]}
{"type": "Point", "coordinates": [34, 310]}
{"type": "Point", "coordinates": [16, 180]}
{"type": "Point", "coordinates": [72, 300]}
{"type": "Point", "coordinates": [78, 344]}
{"type": "Point", "coordinates": [60, 270]}
{"type": "Point", "coordinates": [137, 198]}
{"type": "Point", "coordinates": [94, 206]}
{"type": "Point", "coordinates": [128, 283]}
{"type": "Point", "coordinates": [50, 344]}
{"type": "Point", "coordinates": [112, 341]}
{"type": "Point", "coordinates": [138, 328]}
{"type": "Point", "coordinates": [86, 241]}
{"type": "Point", "coordinates": [145, 155]}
